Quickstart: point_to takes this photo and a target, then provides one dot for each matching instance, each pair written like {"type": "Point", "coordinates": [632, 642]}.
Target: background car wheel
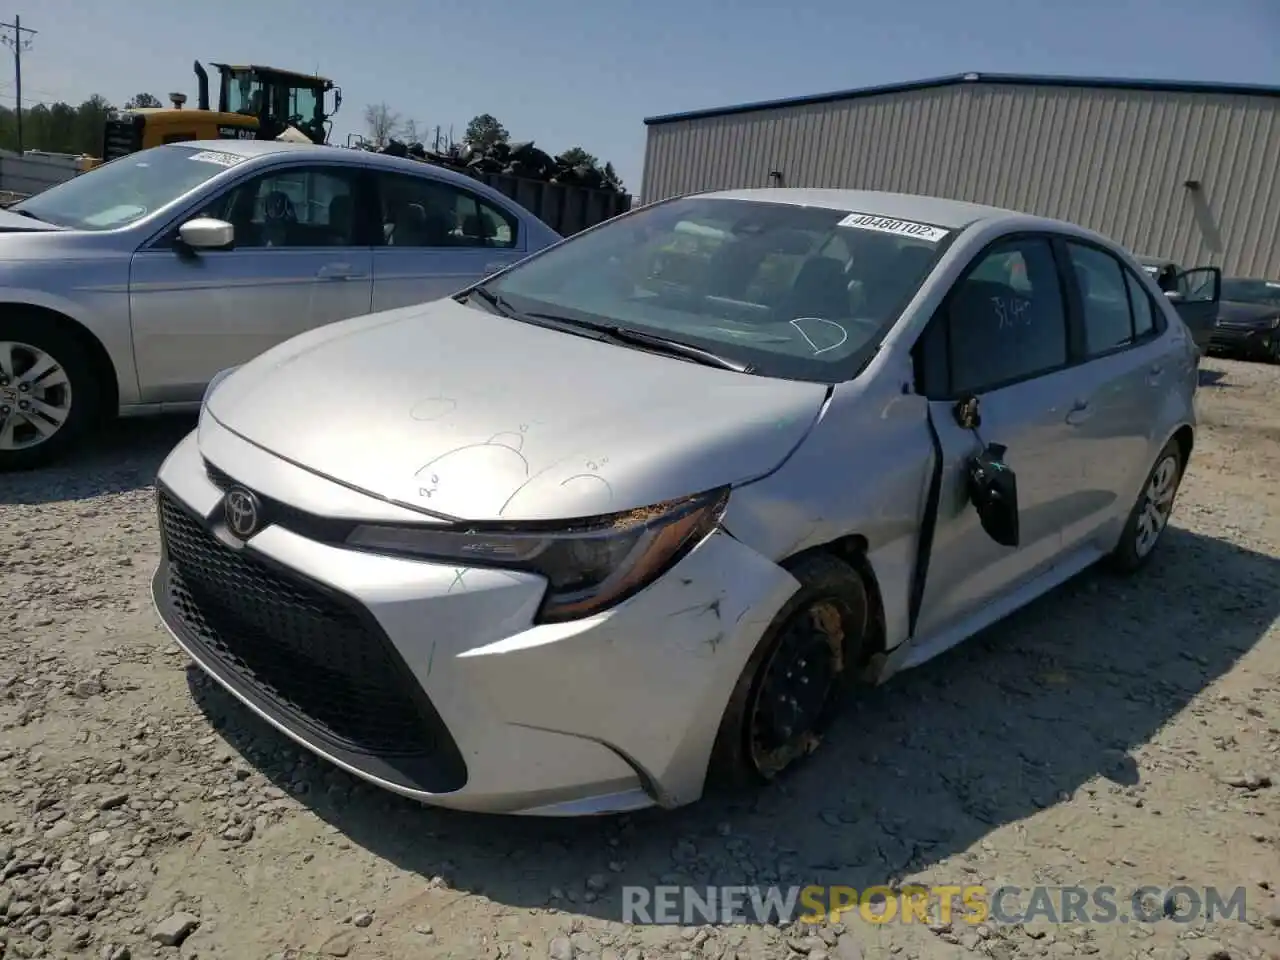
{"type": "Point", "coordinates": [1150, 515]}
{"type": "Point", "coordinates": [1273, 354]}
{"type": "Point", "coordinates": [808, 657]}
{"type": "Point", "coordinates": [48, 392]}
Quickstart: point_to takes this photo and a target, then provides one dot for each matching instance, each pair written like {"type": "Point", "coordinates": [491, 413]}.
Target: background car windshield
{"type": "Point", "coordinates": [1264, 292]}
{"type": "Point", "coordinates": [783, 287]}
{"type": "Point", "coordinates": [126, 189]}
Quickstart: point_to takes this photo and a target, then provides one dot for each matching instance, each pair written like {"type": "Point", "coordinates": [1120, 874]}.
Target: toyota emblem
{"type": "Point", "coordinates": [242, 512]}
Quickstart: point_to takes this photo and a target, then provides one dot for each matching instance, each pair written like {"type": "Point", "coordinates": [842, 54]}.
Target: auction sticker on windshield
{"type": "Point", "coordinates": [221, 159]}
{"type": "Point", "coordinates": [901, 228]}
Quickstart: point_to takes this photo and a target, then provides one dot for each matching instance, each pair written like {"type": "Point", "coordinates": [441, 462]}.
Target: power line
{"type": "Point", "coordinates": [17, 43]}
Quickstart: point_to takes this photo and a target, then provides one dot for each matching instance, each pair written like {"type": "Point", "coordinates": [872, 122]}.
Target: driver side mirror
{"type": "Point", "coordinates": [1201, 285]}
{"type": "Point", "coordinates": [206, 233]}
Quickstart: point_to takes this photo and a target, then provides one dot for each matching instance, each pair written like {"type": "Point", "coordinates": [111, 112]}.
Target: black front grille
{"type": "Point", "coordinates": [311, 657]}
{"type": "Point", "coordinates": [122, 136]}
{"type": "Point", "coordinates": [322, 529]}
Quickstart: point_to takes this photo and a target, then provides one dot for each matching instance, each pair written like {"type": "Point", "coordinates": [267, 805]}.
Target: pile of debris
{"type": "Point", "coordinates": [515, 159]}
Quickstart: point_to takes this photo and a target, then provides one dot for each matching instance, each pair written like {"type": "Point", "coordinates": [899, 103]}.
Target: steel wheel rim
{"type": "Point", "coordinates": [1156, 505]}
{"type": "Point", "coordinates": [35, 396]}
{"type": "Point", "coordinates": [795, 687]}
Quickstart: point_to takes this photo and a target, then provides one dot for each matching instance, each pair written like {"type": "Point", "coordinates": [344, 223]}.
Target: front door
{"type": "Point", "coordinates": [299, 261]}
{"type": "Point", "coordinates": [1002, 337]}
{"type": "Point", "coordinates": [1196, 300]}
{"type": "Point", "coordinates": [436, 239]}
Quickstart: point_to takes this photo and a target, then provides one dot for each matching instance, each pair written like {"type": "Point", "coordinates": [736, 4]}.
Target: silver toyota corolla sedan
{"type": "Point", "coordinates": [637, 512]}
{"type": "Point", "coordinates": [127, 288]}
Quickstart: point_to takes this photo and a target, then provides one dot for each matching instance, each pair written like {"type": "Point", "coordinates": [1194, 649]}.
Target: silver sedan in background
{"type": "Point", "coordinates": [638, 511]}
{"type": "Point", "coordinates": [125, 289]}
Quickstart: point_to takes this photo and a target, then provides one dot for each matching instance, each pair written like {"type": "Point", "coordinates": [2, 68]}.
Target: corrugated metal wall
{"type": "Point", "coordinates": [1112, 160]}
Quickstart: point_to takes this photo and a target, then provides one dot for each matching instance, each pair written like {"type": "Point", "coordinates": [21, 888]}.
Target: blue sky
{"type": "Point", "coordinates": [587, 73]}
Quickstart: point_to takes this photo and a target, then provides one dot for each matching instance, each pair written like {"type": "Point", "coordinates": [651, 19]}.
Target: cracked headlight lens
{"type": "Point", "coordinates": [589, 565]}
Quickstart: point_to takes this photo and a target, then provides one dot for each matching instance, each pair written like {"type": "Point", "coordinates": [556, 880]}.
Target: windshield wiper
{"type": "Point", "coordinates": [497, 303]}
{"type": "Point", "coordinates": [613, 332]}
{"type": "Point", "coordinates": [675, 348]}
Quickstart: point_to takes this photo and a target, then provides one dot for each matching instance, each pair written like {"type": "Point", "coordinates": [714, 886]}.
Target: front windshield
{"type": "Point", "coordinates": [126, 189]}
{"type": "Point", "coordinates": [797, 292]}
{"type": "Point", "coordinates": [1263, 292]}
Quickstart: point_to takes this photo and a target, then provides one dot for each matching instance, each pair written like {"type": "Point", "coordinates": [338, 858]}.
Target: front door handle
{"type": "Point", "coordinates": [1153, 374]}
{"type": "Point", "coordinates": [338, 271]}
{"type": "Point", "coordinates": [1079, 412]}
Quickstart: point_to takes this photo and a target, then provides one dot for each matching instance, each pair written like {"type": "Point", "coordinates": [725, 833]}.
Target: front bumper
{"type": "Point", "coordinates": [1250, 341]}
{"type": "Point", "coordinates": [433, 681]}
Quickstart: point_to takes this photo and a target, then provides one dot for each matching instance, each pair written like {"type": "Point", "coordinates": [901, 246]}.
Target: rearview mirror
{"type": "Point", "coordinates": [1200, 285]}
{"type": "Point", "coordinates": [206, 233]}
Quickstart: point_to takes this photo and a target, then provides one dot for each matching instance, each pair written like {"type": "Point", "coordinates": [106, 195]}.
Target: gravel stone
{"type": "Point", "coordinates": [1120, 732]}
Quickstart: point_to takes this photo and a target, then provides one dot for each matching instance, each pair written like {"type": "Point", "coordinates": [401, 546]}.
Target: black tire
{"type": "Point", "coordinates": [834, 598]}
{"type": "Point", "coordinates": [1273, 354]}
{"type": "Point", "coordinates": [1130, 554]}
{"type": "Point", "coordinates": [85, 390]}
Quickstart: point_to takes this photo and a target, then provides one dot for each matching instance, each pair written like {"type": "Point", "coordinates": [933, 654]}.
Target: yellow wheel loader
{"type": "Point", "coordinates": [254, 103]}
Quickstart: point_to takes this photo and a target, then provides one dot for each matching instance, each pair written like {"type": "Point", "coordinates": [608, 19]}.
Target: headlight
{"type": "Point", "coordinates": [590, 565]}
{"type": "Point", "coordinates": [213, 383]}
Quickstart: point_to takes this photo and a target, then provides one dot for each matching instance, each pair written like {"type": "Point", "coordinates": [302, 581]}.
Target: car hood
{"type": "Point", "coordinates": [1235, 312]}
{"type": "Point", "coordinates": [455, 411]}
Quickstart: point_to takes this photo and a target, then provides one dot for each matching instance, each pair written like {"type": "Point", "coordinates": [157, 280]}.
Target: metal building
{"type": "Point", "coordinates": [1187, 171]}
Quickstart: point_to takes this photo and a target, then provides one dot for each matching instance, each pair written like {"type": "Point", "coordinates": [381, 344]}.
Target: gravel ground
{"type": "Point", "coordinates": [1117, 732]}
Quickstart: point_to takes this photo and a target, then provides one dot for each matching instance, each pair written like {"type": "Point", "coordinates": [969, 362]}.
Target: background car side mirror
{"type": "Point", "coordinates": [206, 233]}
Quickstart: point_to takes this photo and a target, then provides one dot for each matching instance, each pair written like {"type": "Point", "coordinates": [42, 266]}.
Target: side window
{"type": "Point", "coordinates": [423, 212]}
{"type": "Point", "coordinates": [297, 207]}
{"type": "Point", "coordinates": [1104, 292]}
{"type": "Point", "coordinates": [1144, 318]}
{"type": "Point", "coordinates": [1004, 321]}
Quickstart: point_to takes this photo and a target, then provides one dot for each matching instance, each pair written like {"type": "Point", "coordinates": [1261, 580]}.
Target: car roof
{"type": "Point", "coordinates": [1149, 261]}
{"type": "Point", "coordinates": [938, 211]}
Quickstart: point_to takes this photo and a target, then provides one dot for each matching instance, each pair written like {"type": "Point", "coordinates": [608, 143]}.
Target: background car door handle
{"type": "Point", "coordinates": [1079, 412]}
{"type": "Point", "coordinates": [338, 271]}
{"type": "Point", "coordinates": [1153, 374]}
{"type": "Point", "coordinates": [493, 267]}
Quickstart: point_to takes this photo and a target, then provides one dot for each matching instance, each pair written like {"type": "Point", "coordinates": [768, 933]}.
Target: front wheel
{"type": "Point", "coordinates": [788, 690]}
{"type": "Point", "coordinates": [1150, 515]}
{"type": "Point", "coordinates": [48, 393]}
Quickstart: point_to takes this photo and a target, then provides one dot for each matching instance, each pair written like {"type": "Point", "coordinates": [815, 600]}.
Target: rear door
{"type": "Point", "coordinates": [1120, 382]}
{"type": "Point", "coordinates": [1002, 336]}
{"type": "Point", "coordinates": [437, 238]}
{"type": "Point", "coordinates": [301, 259]}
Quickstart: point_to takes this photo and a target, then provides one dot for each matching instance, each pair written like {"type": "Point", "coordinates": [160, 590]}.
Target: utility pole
{"type": "Point", "coordinates": [17, 42]}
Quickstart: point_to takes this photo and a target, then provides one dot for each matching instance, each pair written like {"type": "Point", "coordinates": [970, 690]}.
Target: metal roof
{"type": "Point", "coordinates": [1011, 79]}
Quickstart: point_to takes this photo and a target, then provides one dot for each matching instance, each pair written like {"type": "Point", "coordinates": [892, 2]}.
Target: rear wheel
{"type": "Point", "coordinates": [1150, 515]}
{"type": "Point", "coordinates": [48, 393]}
{"type": "Point", "coordinates": [793, 681]}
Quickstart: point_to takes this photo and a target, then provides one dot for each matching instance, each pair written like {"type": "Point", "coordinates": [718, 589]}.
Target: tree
{"type": "Point", "coordinates": [612, 179]}
{"type": "Point", "coordinates": [57, 127]}
{"type": "Point", "coordinates": [577, 157]}
{"type": "Point", "coordinates": [143, 100]}
{"type": "Point", "coordinates": [381, 124]}
{"type": "Point", "coordinates": [484, 132]}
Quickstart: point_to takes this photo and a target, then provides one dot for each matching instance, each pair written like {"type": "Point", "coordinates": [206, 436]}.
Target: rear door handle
{"type": "Point", "coordinates": [338, 271]}
{"type": "Point", "coordinates": [493, 267]}
{"type": "Point", "coordinates": [1079, 412]}
{"type": "Point", "coordinates": [1153, 374]}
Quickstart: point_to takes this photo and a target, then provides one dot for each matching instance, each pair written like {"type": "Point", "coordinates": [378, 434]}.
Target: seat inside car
{"type": "Point", "coordinates": [820, 290]}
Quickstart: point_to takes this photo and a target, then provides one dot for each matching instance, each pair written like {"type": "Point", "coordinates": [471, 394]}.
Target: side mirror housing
{"type": "Point", "coordinates": [206, 233]}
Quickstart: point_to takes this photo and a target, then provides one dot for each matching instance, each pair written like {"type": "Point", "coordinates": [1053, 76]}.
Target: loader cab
{"type": "Point", "coordinates": [278, 99]}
